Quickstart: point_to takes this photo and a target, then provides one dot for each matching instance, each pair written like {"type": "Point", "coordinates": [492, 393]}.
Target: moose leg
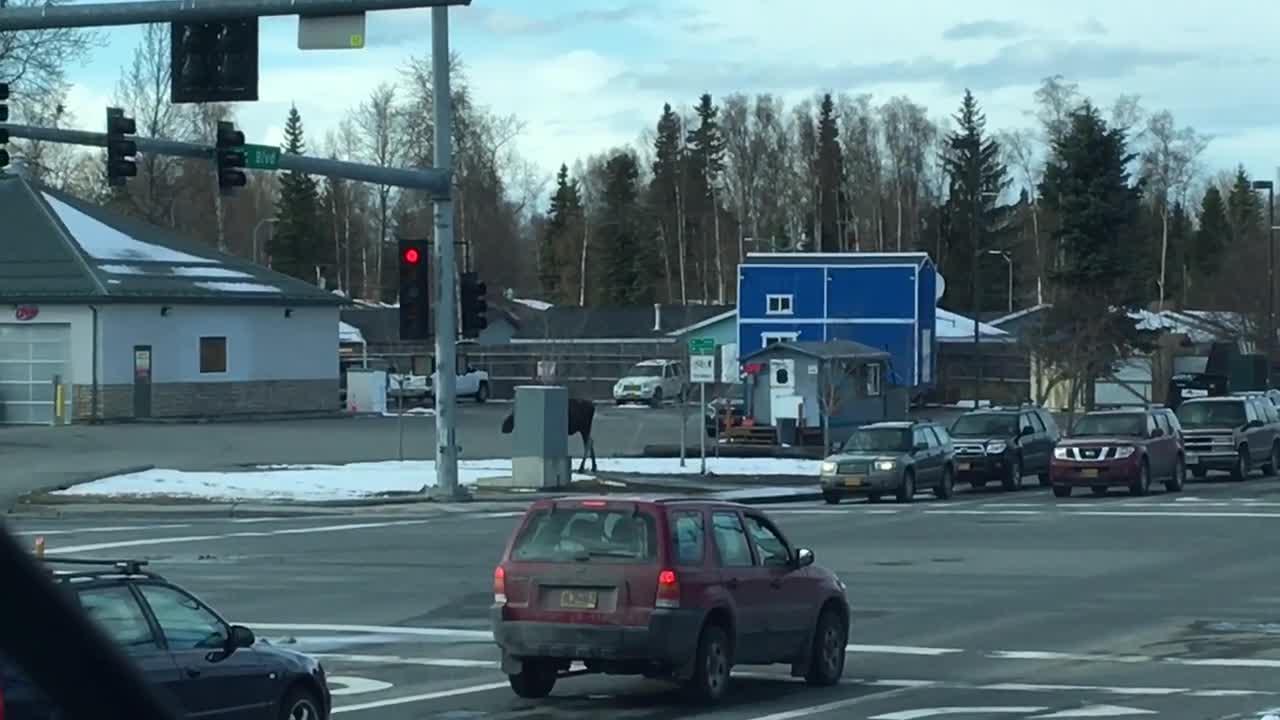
{"type": "Point", "coordinates": [590, 445]}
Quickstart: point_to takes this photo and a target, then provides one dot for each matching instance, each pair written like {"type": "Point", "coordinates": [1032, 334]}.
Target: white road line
{"type": "Point", "coordinates": [939, 711]}
{"type": "Point", "coordinates": [984, 512]}
{"type": "Point", "coordinates": [900, 650]}
{"type": "Point", "coordinates": [116, 528]}
{"type": "Point", "coordinates": [1027, 687]}
{"type": "Point", "coordinates": [1225, 662]}
{"type": "Point", "coordinates": [1070, 657]}
{"type": "Point", "coordinates": [398, 660]}
{"type": "Point", "coordinates": [406, 699]}
{"type": "Point", "coordinates": [1167, 513]}
{"type": "Point", "coordinates": [828, 707]}
{"type": "Point", "coordinates": [402, 630]}
{"type": "Point", "coordinates": [201, 538]}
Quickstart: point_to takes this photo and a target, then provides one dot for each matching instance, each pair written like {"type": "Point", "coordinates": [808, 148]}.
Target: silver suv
{"type": "Point", "coordinates": [1234, 433]}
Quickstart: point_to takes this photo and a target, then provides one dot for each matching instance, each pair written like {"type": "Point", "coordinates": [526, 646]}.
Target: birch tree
{"type": "Point", "coordinates": [1169, 166]}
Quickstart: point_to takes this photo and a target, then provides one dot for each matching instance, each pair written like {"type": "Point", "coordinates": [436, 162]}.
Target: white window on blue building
{"type": "Point", "coordinates": [779, 304]}
{"type": "Point", "coordinates": [770, 338]}
{"type": "Point", "coordinates": [873, 379]}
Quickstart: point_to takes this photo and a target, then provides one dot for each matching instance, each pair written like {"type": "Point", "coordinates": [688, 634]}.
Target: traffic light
{"type": "Point", "coordinates": [214, 61]}
{"type": "Point", "coordinates": [121, 148]}
{"type": "Point", "coordinates": [415, 300]}
{"type": "Point", "coordinates": [4, 117]}
{"type": "Point", "coordinates": [475, 308]}
{"type": "Point", "coordinates": [229, 155]}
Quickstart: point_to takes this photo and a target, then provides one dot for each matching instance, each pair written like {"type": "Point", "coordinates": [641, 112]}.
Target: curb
{"type": "Point", "coordinates": [775, 499]}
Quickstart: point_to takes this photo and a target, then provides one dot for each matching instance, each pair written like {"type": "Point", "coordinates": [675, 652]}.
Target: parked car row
{"type": "Point", "coordinates": [1130, 447]}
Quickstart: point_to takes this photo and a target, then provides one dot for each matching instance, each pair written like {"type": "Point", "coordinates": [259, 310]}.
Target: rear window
{"type": "Point", "coordinates": [605, 535]}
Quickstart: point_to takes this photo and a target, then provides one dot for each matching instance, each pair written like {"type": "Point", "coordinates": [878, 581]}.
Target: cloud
{"type": "Point", "coordinates": [983, 29]}
{"type": "Point", "coordinates": [1093, 26]}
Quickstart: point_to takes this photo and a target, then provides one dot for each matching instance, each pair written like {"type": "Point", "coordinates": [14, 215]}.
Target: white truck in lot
{"type": "Point", "coordinates": [471, 383]}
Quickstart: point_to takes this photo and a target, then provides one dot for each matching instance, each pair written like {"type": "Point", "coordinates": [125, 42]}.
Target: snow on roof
{"type": "Point", "coordinates": [349, 334]}
{"type": "Point", "coordinates": [240, 287]}
{"type": "Point", "coordinates": [103, 242]}
{"type": "Point", "coordinates": [535, 304]}
{"type": "Point", "coordinates": [953, 326]}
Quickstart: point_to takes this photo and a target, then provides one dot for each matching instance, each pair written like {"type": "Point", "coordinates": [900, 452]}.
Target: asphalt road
{"type": "Point", "coordinates": [992, 605]}
{"type": "Point", "coordinates": [36, 458]}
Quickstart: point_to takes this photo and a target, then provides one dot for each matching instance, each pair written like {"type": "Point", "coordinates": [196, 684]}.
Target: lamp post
{"type": "Point", "coordinates": [975, 233]}
{"type": "Point", "coordinates": [256, 228]}
{"type": "Point", "coordinates": [1269, 186]}
{"type": "Point", "coordinates": [1008, 260]}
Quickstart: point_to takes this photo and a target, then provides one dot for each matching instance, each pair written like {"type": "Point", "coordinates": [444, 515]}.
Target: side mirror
{"type": "Point", "coordinates": [241, 637]}
{"type": "Point", "coordinates": [804, 557]}
{"type": "Point", "coordinates": [1158, 432]}
{"type": "Point", "coordinates": [919, 447]}
{"type": "Point", "coordinates": [1026, 430]}
{"type": "Point", "coordinates": [1253, 424]}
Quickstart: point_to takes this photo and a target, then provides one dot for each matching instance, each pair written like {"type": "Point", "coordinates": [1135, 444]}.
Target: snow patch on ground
{"type": "Point", "coordinates": [314, 483]}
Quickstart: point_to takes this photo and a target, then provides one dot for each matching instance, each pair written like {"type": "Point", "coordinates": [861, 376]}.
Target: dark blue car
{"type": "Point", "coordinates": [206, 667]}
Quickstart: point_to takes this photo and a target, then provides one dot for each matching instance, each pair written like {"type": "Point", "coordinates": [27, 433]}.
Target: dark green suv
{"type": "Point", "coordinates": [890, 457]}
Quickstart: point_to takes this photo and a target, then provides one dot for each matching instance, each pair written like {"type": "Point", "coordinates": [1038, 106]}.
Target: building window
{"type": "Point", "coordinates": [213, 355]}
{"type": "Point", "coordinates": [873, 380]}
{"type": "Point", "coordinates": [777, 337]}
{"type": "Point", "coordinates": [779, 304]}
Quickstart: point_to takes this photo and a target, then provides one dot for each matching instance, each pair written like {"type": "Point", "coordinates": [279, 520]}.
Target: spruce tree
{"type": "Point", "coordinates": [1205, 257]}
{"type": "Point", "coordinates": [626, 261]}
{"type": "Point", "coordinates": [557, 240]}
{"type": "Point", "coordinates": [830, 168]}
{"type": "Point", "coordinates": [296, 243]}
{"type": "Point", "coordinates": [706, 165]}
{"type": "Point", "coordinates": [1244, 209]}
{"type": "Point", "coordinates": [977, 176]}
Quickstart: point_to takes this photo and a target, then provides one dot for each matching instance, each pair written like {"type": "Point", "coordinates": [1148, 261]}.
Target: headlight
{"type": "Point", "coordinates": [1060, 453]}
{"type": "Point", "coordinates": [1124, 452]}
{"type": "Point", "coordinates": [885, 465]}
{"type": "Point", "coordinates": [828, 468]}
{"type": "Point", "coordinates": [995, 447]}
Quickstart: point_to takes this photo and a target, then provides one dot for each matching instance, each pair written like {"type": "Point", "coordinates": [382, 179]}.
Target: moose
{"type": "Point", "coordinates": [581, 414]}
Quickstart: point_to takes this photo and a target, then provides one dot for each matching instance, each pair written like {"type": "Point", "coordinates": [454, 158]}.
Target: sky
{"type": "Point", "coordinates": [587, 75]}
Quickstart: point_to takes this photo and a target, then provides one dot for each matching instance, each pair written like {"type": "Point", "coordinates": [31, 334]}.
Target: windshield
{"type": "Point", "coordinates": [644, 371]}
{"type": "Point", "coordinates": [878, 440]}
{"type": "Point", "coordinates": [568, 535]}
{"type": "Point", "coordinates": [1132, 424]}
{"type": "Point", "coordinates": [1199, 415]}
{"type": "Point", "coordinates": [985, 425]}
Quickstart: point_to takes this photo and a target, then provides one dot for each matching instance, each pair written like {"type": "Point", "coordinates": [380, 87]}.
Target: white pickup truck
{"type": "Point", "coordinates": [472, 383]}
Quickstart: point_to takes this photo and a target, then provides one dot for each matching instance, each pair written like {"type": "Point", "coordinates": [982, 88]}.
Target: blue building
{"type": "Point", "coordinates": [885, 300]}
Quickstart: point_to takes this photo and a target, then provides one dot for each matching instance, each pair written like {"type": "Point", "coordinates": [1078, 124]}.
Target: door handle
{"type": "Point", "coordinates": [193, 672]}
{"type": "Point", "coordinates": [731, 583]}
{"type": "Point", "coordinates": [775, 583]}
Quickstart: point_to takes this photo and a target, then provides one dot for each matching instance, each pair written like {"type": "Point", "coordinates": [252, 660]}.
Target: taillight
{"type": "Point", "coordinates": [668, 590]}
{"type": "Point", "coordinates": [499, 589]}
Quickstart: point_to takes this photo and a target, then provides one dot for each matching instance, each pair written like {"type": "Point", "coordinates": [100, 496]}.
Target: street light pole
{"type": "Point", "coordinates": [1269, 186]}
{"type": "Point", "coordinates": [256, 228]}
{"type": "Point", "coordinates": [1008, 260]}
{"type": "Point", "coordinates": [975, 234]}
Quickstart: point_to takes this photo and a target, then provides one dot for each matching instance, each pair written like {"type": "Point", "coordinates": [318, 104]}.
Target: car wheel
{"type": "Point", "coordinates": [711, 666]}
{"type": "Point", "coordinates": [829, 639]}
{"type": "Point", "coordinates": [300, 705]}
{"type": "Point", "coordinates": [1273, 462]}
{"type": "Point", "coordinates": [1240, 472]}
{"type": "Point", "coordinates": [1142, 484]}
{"type": "Point", "coordinates": [907, 490]}
{"type": "Point", "coordinates": [1199, 473]}
{"type": "Point", "coordinates": [1099, 490]}
{"type": "Point", "coordinates": [831, 498]}
{"type": "Point", "coordinates": [1013, 481]}
{"type": "Point", "coordinates": [1044, 479]}
{"type": "Point", "coordinates": [656, 401]}
{"type": "Point", "coordinates": [535, 680]}
{"type": "Point", "coordinates": [1179, 479]}
{"type": "Point", "coordinates": [1062, 491]}
{"type": "Point", "coordinates": [483, 393]}
{"type": "Point", "coordinates": [946, 486]}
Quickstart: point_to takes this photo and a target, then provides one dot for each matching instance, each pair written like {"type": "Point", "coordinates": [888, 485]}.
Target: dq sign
{"type": "Point", "coordinates": [26, 312]}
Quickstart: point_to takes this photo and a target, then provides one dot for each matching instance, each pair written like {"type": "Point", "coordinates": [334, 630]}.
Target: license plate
{"type": "Point", "coordinates": [964, 466]}
{"type": "Point", "coordinates": [578, 599]}
{"type": "Point", "coordinates": [853, 481]}
{"type": "Point", "coordinates": [1193, 459]}
{"type": "Point", "coordinates": [1089, 473]}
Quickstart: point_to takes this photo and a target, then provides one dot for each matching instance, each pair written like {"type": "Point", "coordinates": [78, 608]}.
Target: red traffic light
{"type": "Point", "coordinates": [412, 256]}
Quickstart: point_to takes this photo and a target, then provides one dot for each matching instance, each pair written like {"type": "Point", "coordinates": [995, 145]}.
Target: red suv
{"type": "Point", "coordinates": [666, 588]}
{"type": "Point", "coordinates": [1128, 447]}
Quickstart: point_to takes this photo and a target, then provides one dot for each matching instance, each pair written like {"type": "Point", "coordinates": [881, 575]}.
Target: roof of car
{"type": "Point", "coordinates": [636, 498]}
{"type": "Point", "coordinates": [88, 569]}
{"type": "Point", "coordinates": [655, 362]}
{"type": "Point", "coordinates": [1220, 398]}
{"type": "Point", "coordinates": [896, 424]}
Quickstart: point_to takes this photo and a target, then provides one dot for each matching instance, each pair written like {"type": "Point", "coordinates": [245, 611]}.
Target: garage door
{"type": "Point", "coordinates": [31, 356]}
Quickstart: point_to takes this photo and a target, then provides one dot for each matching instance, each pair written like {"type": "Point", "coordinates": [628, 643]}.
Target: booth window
{"type": "Point", "coordinates": [213, 355]}
{"type": "Point", "coordinates": [873, 380]}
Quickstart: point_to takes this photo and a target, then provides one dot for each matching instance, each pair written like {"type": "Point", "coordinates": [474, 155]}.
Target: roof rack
{"type": "Point", "coordinates": [121, 567]}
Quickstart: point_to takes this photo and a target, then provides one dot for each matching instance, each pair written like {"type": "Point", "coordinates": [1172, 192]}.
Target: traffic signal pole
{"type": "Point", "coordinates": [446, 310]}
{"type": "Point", "coordinates": [432, 181]}
{"type": "Point", "coordinates": [43, 17]}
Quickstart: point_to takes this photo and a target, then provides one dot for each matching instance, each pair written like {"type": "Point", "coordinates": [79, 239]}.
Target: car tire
{"type": "Point", "coordinates": [1273, 462]}
{"type": "Point", "coordinates": [831, 498]}
{"type": "Point", "coordinates": [907, 490]}
{"type": "Point", "coordinates": [826, 663]}
{"type": "Point", "coordinates": [1240, 472]}
{"type": "Point", "coordinates": [536, 679]}
{"type": "Point", "coordinates": [1013, 480]}
{"type": "Point", "coordinates": [711, 666]}
{"type": "Point", "coordinates": [300, 704]}
{"type": "Point", "coordinates": [1179, 479]}
{"type": "Point", "coordinates": [1141, 485]}
{"type": "Point", "coordinates": [1062, 491]}
{"type": "Point", "coordinates": [656, 400]}
{"type": "Point", "coordinates": [977, 484]}
{"type": "Point", "coordinates": [1044, 479]}
{"type": "Point", "coordinates": [483, 393]}
{"type": "Point", "coordinates": [946, 486]}
{"type": "Point", "coordinates": [1099, 490]}
{"type": "Point", "coordinates": [1199, 473]}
